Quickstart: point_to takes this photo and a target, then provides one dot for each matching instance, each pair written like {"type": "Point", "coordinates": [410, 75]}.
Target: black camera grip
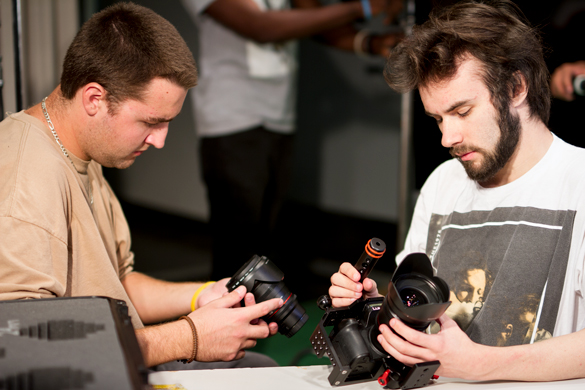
{"type": "Point", "coordinates": [375, 248]}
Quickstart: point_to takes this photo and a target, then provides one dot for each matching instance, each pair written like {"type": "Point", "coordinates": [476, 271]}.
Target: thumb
{"type": "Point", "coordinates": [230, 299]}
{"type": "Point", "coordinates": [445, 321]}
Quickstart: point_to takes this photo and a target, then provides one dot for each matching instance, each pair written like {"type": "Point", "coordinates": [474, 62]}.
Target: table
{"type": "Point", "coordinates": [315, 377]}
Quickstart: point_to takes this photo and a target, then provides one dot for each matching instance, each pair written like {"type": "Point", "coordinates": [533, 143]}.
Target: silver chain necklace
{"type": "Point", "coordinates": [52, 128]}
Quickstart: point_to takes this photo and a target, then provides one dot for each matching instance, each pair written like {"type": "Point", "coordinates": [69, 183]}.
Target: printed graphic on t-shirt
{"type": "Point", "coordinates": [505, 269]}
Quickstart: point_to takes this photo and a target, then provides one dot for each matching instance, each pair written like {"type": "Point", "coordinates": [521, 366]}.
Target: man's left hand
{"type": "Point", "coordinates": [459, 356]}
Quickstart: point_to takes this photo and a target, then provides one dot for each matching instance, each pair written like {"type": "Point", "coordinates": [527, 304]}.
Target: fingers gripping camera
{"type": "Point", "coordinates": [415, 296]}
{"type": "Point", "coordinates": [265, 280]}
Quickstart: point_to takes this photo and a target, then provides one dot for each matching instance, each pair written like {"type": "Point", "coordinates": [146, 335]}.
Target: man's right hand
{"type": "Point", "coordinates": [224, 331]}
{"type": "Point", "coordinates": [561, 82]}
{"type": "Point", "coordinates": [346, 287]}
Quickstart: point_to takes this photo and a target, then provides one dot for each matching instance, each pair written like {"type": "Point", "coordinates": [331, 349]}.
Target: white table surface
{"type": "Point", "coordinates": [315, 377]}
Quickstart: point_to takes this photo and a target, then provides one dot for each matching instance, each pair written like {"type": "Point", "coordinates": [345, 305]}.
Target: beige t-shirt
{"type": "Point", "coordinates": [53, 241]}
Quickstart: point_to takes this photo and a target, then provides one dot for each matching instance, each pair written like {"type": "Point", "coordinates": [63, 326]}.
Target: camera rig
{"type": "Point", "coordinates": [415, 297]}
{"type": "Point", "coordinates": [356, 361]}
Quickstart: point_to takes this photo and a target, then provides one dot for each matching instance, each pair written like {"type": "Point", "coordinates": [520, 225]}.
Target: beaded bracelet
{"type": "Point", "coordinates": [195, 341]}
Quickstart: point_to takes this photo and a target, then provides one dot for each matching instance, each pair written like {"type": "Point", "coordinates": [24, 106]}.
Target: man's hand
{"type": "Point", "coordinates": [459, 356]}
{"type": "Point", "coordinates": [224, 332]}
{"type": "Point", "coordinates": [346, 288]}
{"type": "Point", "coordinates": [212, 292]}
{"type": "Point", "coordinates": [561, 82]}
{"type": "Point", "coordinates": [249, 300]}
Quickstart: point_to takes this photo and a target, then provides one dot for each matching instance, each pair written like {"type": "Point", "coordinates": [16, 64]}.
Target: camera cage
{"type": "Point", "coordinates": [322, 342]}
{"type": "Point", "coordinates": [389, 372]}
{"type": "Point", "coordinates": [344, 371]}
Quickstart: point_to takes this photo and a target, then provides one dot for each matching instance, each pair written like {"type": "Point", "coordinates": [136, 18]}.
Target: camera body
{"type": "Point", "coordinates": [415, 297]}
{"type": "Point", "coordinates": [353, 358]}
{"type": "Point", "coordinates": [266, 281]}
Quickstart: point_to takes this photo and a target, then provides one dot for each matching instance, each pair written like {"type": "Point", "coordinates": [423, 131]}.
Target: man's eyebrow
{"type": "Point", "coordinates": [453, 107]}
{"type": "Point", "coordinates": [158, 120]}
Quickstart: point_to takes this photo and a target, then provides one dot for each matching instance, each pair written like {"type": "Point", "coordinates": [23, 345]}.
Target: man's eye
{"type": "Point", "coordinates": [464, 114]}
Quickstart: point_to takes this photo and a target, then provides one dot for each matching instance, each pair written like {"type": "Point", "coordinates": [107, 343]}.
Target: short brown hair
{"type": "Point", "coordinates": [496, 33]}
{"type": "Point", "coordinates": [123, 48]}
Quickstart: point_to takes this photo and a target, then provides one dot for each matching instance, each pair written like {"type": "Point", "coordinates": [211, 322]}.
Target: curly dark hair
{"type": "Point", "coordinates": [495, 32]}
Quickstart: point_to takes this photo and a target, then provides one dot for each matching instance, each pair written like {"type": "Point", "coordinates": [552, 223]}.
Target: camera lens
{"type": "Point", "coordinates": [415, 289]}
{"type": "Point", "coordinates": [265, 280]}
{"type": "Point", "coordinates": [415, 296]}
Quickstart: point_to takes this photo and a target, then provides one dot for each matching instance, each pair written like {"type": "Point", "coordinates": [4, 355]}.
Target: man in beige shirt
{"type": "Point", "coordinates": [125, 77]}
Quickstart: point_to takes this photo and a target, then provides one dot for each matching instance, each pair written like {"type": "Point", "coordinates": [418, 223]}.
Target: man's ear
{"type": "Point", "coordinates": [520, 91]}
{"type": "Point", "coordinates": [93, 97]}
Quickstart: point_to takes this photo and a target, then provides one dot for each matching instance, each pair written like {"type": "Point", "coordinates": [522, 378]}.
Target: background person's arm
{"type": "Point", "coordinates": [344, 37]}
{"type": "Point", "coordinates": [247, 19]}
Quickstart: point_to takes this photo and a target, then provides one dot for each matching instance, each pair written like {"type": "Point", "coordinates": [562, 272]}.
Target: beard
{"type": "Point", "coordinates": [493, 160]}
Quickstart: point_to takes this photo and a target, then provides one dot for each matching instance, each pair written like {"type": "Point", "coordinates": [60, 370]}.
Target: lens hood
{"type": "Point", "coordinates": [256, 270]}
{"type": "Point", "coordinates": [415, 276]}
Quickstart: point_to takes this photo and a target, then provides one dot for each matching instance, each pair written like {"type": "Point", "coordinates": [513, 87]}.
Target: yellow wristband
{"type": "Point", "coordinates": [194, 299]}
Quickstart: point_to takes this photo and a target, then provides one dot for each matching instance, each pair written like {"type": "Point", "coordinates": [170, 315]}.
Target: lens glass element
{"type": "Point", "coordinates": [411, 297]}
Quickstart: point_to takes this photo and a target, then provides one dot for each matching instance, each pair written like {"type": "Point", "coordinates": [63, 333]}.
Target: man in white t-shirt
{"type": "Point", "coordinates": [504, 221]}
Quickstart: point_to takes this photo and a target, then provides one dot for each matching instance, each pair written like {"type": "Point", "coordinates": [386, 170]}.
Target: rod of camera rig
{"type": "Point", "coordinates": [375, 248]}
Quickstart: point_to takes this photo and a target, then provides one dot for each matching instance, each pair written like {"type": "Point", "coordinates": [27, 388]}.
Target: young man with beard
{"type": "Point", "coordinates": [513, 193]}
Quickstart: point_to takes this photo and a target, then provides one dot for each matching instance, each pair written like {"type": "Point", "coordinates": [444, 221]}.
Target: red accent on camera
{"type": "Point", "coordinates": [272, 315]}
{"type": "Point", "coordinates": [383, 379]}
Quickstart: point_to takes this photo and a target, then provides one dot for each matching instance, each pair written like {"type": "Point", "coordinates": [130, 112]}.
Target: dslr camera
{"type": "Point", "coordinates": [415, 297]}
{"type": "Point", "coordinates": [265, 281]}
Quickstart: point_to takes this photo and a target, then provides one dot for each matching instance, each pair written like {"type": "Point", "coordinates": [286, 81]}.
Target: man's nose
{"type": "Point", "coordinates": [451, 134]}
{"type": "Point", "coordinates": [157, 137]}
